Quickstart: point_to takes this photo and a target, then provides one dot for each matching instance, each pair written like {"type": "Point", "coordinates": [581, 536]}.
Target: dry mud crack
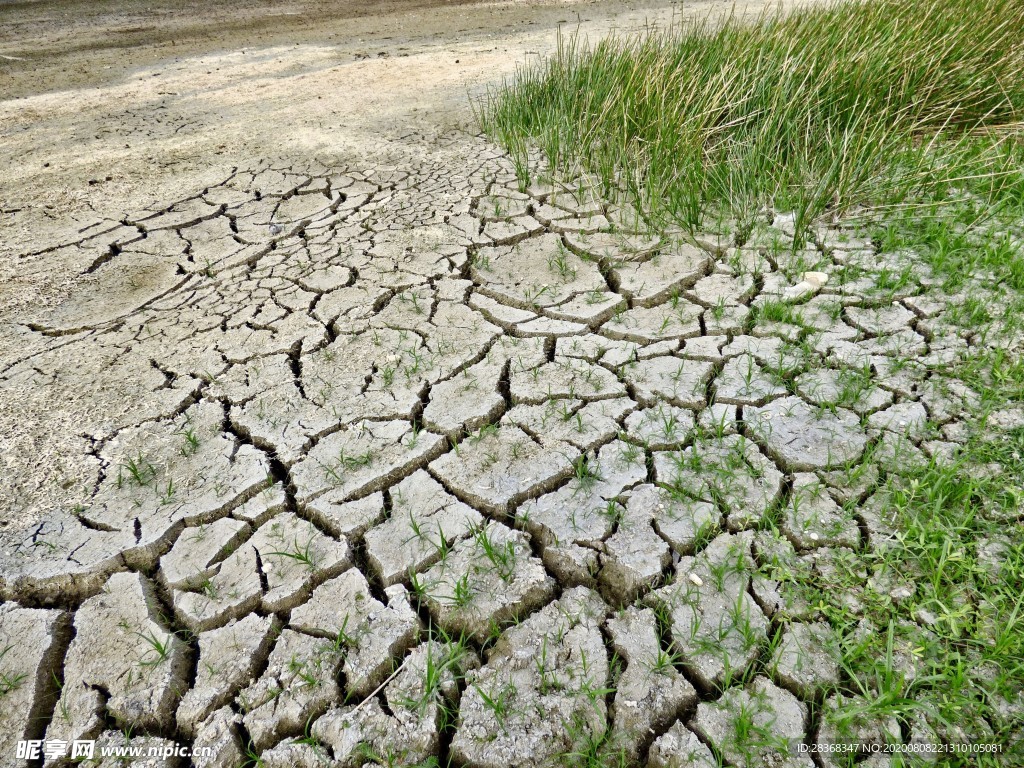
{"type": "Point", "coordinates": [346, 422]}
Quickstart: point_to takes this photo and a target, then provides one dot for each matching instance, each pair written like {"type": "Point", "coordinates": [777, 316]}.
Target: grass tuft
{"type": "Point", "coordinates": [819, 110]}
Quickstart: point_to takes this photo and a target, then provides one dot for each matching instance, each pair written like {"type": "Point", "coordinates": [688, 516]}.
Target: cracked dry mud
{"type": "Point", "coordinates": [435, 405]}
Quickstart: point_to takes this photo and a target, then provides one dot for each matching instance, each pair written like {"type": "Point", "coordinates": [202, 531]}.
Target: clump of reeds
{"type": "Point", "coordinates": [820, 108]}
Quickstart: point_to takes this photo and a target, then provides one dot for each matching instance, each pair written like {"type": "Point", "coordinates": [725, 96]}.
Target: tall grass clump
{"type": "Point", "coordinates": [815, 110]}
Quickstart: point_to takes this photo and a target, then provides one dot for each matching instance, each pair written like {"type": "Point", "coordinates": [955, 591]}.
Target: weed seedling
{"type": "Point", "coordinates": [300, 553]}
{"type": "Point", "coordinates": [502, 558]}
{"type": "Point", "coordinates": [498, 701]}
{"type": "Point", "coordinates": [157, 651]}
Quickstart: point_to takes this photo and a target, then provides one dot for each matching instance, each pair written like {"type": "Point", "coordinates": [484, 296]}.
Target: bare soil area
{"type": "Point", "coordinates": [112, 106]}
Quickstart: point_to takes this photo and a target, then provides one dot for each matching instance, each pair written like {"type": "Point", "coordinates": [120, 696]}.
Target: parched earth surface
{"type": "Point", "coordinates": [375, 464]}
{"type": "Point", "coordinates": [340, 418]}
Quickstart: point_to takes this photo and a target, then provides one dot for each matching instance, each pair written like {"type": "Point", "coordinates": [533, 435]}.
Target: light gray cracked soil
{"type": "Point", "coordinates": [250, 471]}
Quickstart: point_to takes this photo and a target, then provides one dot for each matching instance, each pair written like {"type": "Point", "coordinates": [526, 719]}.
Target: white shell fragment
{"type": "Point", "coordinates": [817, 279]}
